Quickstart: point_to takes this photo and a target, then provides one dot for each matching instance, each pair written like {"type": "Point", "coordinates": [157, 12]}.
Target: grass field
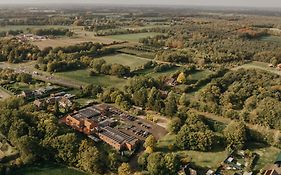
{"type": "Point", "coordinates": [132, 61]}
{"type": "Point", "coordinates": [24, 27]}
{"type": "Point", "coordinates": [144, 54]}
{"type": "Point", "coordinates": [132, 37]}
{"type": "Point", "coordinates": [203, 159]}
{"type": "Point", "coordinates": [48, 169]}
{"type": "Point", "coordinates": [259, 65]}
{"type": "Point", "coordinates": [267, 155]}
{"type": "Point", "coordinates": [103, 80]}
{"type": "Point", "coordinates": [200, 75]}
{"type": "Point", "coordinates": [271, 38]}
{"type": "Point", "coordinates": [4, 94]}
{"type": "Point", "coordinates": [151, 73]}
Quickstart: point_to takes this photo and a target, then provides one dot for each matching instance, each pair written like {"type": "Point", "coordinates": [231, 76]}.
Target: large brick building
{"type": "Point", "coordinates": [94, 120]}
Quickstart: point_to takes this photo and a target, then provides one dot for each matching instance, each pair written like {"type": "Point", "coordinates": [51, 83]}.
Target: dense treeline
{"type": "Point", "coordinates": [8, 75]}
{"type": "Point", "coordinates": [251, 95]}
{"type": "Point", "coordinates": [37, 136]}
{"type": "Point", "coordinates": [14, 51]}
{"type": "Point", "coordinates": [101, 67]}
{"type": "Point", "coordinates": [71, 57]}
{"type": "Point", "coordinates": [51, 31]}
{"type": "Point", "coordinates": [128, 31]}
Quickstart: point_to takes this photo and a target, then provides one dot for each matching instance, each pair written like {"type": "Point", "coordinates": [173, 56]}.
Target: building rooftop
{"type": "Point", "coordinates": [89, 112]}
{"type": "Point", "coordinates": [117, 135]}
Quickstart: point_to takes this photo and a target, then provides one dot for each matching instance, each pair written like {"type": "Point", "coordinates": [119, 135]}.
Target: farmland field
{"type": "Point", "coordinates": [24, 27]}
{"type": "Point", "coordinates": [132, 37]}
{"type": "Point", "coordinates": [102, 80]}
{"type": "Point", "coordinates": [127, 60]}
{"type": "Point", "coordinates": [48, 169]}
{"type": "Point", "coordinates": [144, 54]}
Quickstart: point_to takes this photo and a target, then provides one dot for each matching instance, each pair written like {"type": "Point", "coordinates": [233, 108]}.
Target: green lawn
{"type": "Point", "coordinates": [203, 159]}
{"type": "Point", "coordinates": [259, 65]}
{"type": "Point", "coordinates": [48, 169]}
{"type": "Point", "coordinates": [24, 27]}
{"type": "Point", "coordinates": [132, 61]}
{"type": "Point", "coordinates": [267, 155]}
{"type": "Point", "coordinates": [102, 80]}
{"type": "Point", "coordinates": [200, 75]}
{"type": "Point", "coordinates": [132, 37]}
{"type": "Point", "coordinates": [208, 160]}
{"type": "Point", "coordinates": [140, 53]}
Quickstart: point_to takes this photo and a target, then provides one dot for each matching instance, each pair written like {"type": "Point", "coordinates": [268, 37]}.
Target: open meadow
{"type": "Point", "coordinates": [132, 61]}
{"type": "Point", "coordinates": [259, 65]}
{"type": "Point", "coordinates": [84, 77]}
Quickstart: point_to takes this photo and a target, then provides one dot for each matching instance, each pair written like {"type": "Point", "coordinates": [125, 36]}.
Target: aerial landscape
{"type": "Point", "coordinates": [140, 87]}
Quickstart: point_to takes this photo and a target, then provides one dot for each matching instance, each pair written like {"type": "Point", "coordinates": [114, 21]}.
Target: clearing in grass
{"type": "Point", "coordinates": [132, 61]}
{"type": "Point", "coordinates": [259, 65]}
{"type": "Point", "coordinates": [102, 80]}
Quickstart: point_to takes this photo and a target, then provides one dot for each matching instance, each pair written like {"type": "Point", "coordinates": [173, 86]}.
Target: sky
{"type": "Point", "coordinates": [247, 3]}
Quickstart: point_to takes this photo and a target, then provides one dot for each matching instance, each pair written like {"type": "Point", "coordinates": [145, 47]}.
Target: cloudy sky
{"type": "Point", "coordinates": [253, 3]}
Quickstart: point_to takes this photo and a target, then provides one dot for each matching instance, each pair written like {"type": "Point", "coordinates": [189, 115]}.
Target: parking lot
{"type": "Point", "coordinates": [138, 127]}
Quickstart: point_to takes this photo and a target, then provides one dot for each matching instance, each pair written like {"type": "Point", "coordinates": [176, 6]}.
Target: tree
{"type": "Point", "coordinates": [171, 104]}
{"type": "Point", "coordinates": [175, 125]}
{"type": "Point", "coordinates": [195, 135]}
{"type": "Point", "coordinates": [184, 101]}
{"type": "Point", "coordinates": [235, 134]}
{"type": "Point", "coordinates": [142, 160]}
{"type": "Point", "coordinates": [150, 141]}
{"type": "Point", "coordinates": [156, 164]}
{"type": "Point", "coordinates": [125, 169]}
{"type": "Point", "coordinates": [172, 163]}
{"type": "Point", "coordinates": [181, 78]}
{"type": "Point", "coordinates": [89, 158]}
{"type": "Point", "coordinates": [140, 97]}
